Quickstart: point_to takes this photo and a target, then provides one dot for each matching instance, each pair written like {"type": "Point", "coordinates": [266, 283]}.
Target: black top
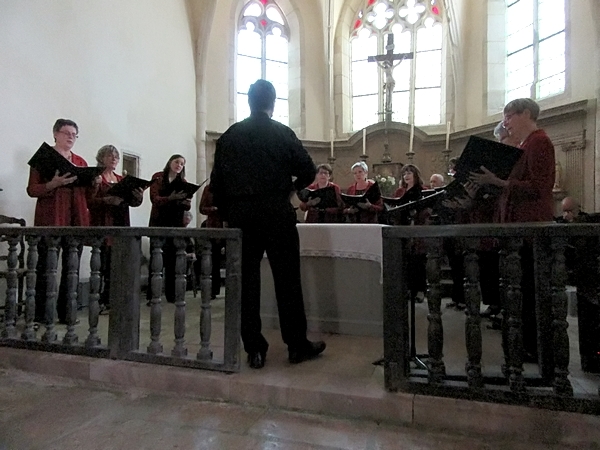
{"type": "Point", "coordinates": [255, 161]}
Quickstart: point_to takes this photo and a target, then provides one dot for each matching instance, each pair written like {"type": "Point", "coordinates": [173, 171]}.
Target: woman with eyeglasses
{"type": "Point", "coordinates": [168, 207]}
{"type": "Point", "coordinates": [109, 211]}
{"type": "Point", "coordinates": [58, 204]}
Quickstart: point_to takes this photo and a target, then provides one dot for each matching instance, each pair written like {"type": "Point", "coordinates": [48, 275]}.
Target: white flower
{"type": "Point", "coordinates": [382, 179]}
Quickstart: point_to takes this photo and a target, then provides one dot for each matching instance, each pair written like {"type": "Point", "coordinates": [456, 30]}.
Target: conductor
{"type": "Point", "coordinates": [255, 161]}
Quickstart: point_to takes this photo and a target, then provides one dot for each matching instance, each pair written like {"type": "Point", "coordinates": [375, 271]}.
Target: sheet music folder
{"type": "Point", "coordinates": [47, 161]}
{"type": "Point", "coordinates": [428, 200]}
{"type": "Point", "coordinates": [372, 195]}
{"type": "Point", "coordinates": [326, 194]}
{"type": "Point", "coordinates": [496, 157]}
{"type": "Point", "coordinates": [178, 185]}
{"type": "Point", "coordinates": [124, 188]}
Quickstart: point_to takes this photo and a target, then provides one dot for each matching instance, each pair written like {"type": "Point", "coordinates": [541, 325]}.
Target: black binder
{"type": "Point", "coordinates": [496, 157]}
{"type": "Point", "coordinates": [427, 201]}
{"type": "Point", "coordinates": [327, 195]}
{"type": "Point", "coordinates": [124, 188]}
{"type": "Point", "coordinates": [372, 195]}
{"type": "Point", "coordinates": [178, 185]}
{"type": "Point", "coordinates": [392, 201]}
{"type": "Point", "coordinates": [47, 161]}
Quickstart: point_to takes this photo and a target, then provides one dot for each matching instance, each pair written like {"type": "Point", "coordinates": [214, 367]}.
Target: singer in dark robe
{"type": "Point", "coordinates": [526, 196]}
{"type": "Point", "coordinates": [365, 212]}
{"type": "Point", "coordinates": [315, 213]}
{"type": "Point", "coordinates": [255, 161]}
{"type": "Point", "coordinates": [58, 204]}
{"type": "Point", "coordinates": [411, 188]}
{"type": "Point", "coordinates": [109, 211]}
{"type": "Point", "coordinates": [168, 206]}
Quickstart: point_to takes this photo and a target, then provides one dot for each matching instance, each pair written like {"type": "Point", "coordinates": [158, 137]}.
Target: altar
{"type": "Point", "coordinates": [341, 268]}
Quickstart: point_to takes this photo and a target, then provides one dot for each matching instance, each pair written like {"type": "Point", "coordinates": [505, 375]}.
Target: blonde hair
{"type": "Point", "coordinates": [106, 150]}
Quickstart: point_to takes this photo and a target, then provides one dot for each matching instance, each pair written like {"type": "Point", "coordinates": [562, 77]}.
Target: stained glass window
{"type": "Point", "coordinates": [417, 95]}
{"type": "Point", "coordinates": [535, 48]}
{"type": "Point", "coordinates": [262, 52]}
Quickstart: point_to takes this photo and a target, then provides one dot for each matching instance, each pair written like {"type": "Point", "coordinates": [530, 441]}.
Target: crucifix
{"type": "Point", "coordinates": [388, 63]}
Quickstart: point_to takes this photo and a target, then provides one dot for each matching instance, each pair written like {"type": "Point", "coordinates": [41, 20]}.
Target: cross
{"type": "Point", "coordinates": [386, 62]}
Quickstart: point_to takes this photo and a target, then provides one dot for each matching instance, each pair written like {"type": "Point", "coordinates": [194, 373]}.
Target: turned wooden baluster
{"type": "Point", "coordinates": [12, 282]}
{"type": "Point", "coordinates": [72, 282]}
{"type": "Point", "coordinates": [503, 283]}
{"type": "Point", "coordinates": [205, 353]}
{"type": "Point", "coordinates": [155, 285]}
{"type": "Point", "coordinates": [30, 280]}
{"type": "Point", "coordinates": [473, 321]}
{"type": "Point", "coordinates": [560, 341]}
{"type": "Point", "coordinates": [435, 330]}
{"type": "Point", "coordinates": [93, 339]}
{"type": "Point", "coordinates": [180, 284]}
{"type": "Point", "coordinates": [51, 289]}
{"type": "Point", "coordinates": [513, 312]}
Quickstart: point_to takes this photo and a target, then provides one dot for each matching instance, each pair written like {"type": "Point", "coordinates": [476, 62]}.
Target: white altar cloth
{"type": "Point", "coordinates": [353, 241]}
{"type": "Point", "coordinates": [341, 279]}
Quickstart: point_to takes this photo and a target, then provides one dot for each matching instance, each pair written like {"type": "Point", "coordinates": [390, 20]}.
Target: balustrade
{"type": "Point", "coordinates": [20, 330]}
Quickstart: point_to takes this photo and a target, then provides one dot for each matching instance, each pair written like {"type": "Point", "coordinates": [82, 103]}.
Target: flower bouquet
{"type": "Point", "coordinates": [387, 185]}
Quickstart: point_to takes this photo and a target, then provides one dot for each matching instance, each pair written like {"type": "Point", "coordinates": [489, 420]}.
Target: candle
{"type": "Point", "coordinates": [364, 141]}
{"type": "Point", "coordinates": [412, 138]}
{"type": "Point", "coordinates": [447, 135]}
{"type": "Point", "coordinates": [331, 141]}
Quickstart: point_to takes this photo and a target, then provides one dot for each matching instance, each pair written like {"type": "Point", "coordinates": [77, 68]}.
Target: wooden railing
{"type": "Point", "coordinates": [509, 385]}
{"type": "Point", "coordinates": [20, 330]}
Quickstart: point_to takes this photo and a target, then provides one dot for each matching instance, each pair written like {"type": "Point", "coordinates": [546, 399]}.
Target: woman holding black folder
{"type": "Point", "coordinates": [411, 188]}
{"type": "Point", "coordinates": [169, 202]}
{"type": "Point", "coordinates": [365, 212]}
{"type": "Point", "coordinates": [109, 211]}
{"type": "Point", "coordinates": [59, 203]}
{"type": "Point", "coordinates": [315, 212]}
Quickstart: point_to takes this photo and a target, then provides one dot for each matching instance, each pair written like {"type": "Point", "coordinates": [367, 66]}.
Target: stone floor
{"type": "Point", "coordinates": [44, 412]}
{"type": "Point", "coordinates": [336, 401]}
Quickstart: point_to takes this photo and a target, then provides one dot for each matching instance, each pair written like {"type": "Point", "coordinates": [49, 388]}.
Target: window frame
{"type": "Point", "coordinates": [263, 26]}
{"type": "Point", "coordinates": [381, 35]}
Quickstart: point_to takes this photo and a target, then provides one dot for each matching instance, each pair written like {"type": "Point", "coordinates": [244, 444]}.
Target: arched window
{"type": "Point", "coordinates": [526, 50]}
{"type": "Point", "coordinates": [535, 48]}
{"type": "Point", "coordinates": [262, 52]}
{"type": "Point", "coordinates": [417, 94]}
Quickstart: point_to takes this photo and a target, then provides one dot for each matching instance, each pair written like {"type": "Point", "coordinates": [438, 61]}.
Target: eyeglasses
{"type": "Point", "coordinates": [71, 135]}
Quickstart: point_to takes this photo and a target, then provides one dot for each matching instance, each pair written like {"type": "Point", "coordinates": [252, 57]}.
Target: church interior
{"type": "Point", "coordinates": [163, 77]}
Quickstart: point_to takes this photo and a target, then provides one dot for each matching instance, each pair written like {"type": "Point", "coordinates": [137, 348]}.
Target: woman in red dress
{"type": "Point", "coordinates": [109, 211]}
{"type": "Point", "coordinates": [315, 214]}
{"type": "Point", "coordinates": [365, 212]}
{"type": "Point", "coordinates": [58, 204]}
{"type": "Point", "coordinates": [526, 197]}
{"type": "Point", "coordinates": [168, 207]}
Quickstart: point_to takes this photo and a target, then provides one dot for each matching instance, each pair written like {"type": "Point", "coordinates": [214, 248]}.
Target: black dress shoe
{"type": "Point", "coordinates": [256, 360]}
{"type": "Point", "coordinates": [307, 351]}
{"type": "Point", "coordinates": [490, 311]}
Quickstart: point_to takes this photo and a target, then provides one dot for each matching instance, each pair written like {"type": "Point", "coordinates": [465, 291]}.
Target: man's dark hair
{"type": "Point", "coordinates": [64, 123]}
{"type": "Point", "coordinates": [261, 96]}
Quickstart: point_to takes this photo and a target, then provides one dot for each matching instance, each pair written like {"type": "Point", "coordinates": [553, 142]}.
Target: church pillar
{"type": "Point", "coordinates": [201, 17]}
